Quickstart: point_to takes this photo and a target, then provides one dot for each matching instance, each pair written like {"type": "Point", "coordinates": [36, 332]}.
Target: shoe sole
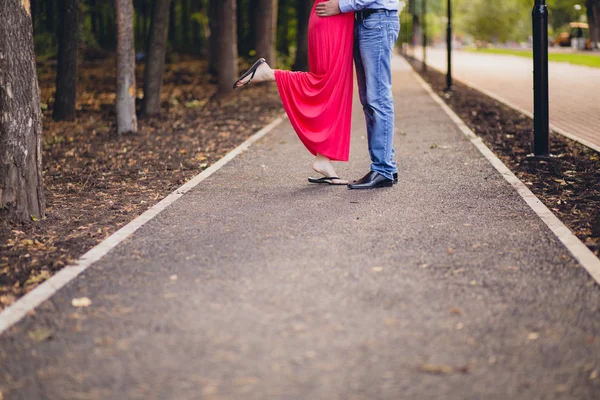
{"type": "Point", "coordinates": [387, 185]}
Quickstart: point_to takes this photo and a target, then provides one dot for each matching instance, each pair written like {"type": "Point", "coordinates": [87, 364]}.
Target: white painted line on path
{"type": "Point", "coordinates": [515, 107]}
{"type": "Point", "coordinates": [30, 301]}
{"type": "Point", "coordinates": [586, 258]}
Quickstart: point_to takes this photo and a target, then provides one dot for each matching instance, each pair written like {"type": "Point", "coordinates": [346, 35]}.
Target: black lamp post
{"type": "Point", "coordinates": [449, 47]}
{"type": "Point", "coordinates": [541, 112]}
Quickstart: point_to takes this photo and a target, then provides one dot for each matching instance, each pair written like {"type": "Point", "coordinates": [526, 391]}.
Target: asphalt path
{"type": "Point", "coordinates": [574, 96]}
{"type": "Point", "coordinates": [257, 285]}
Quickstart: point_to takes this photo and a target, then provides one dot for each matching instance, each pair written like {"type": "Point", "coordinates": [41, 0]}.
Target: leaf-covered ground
{"type": "Point", "coordinates": [568, 183]}
{"type": "Point", "coordinates": [97, 181]}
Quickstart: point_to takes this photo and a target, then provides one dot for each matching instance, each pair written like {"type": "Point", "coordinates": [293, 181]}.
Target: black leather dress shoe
{"type": "Point", "coordinates": [395, 178]}
{"type": "Point", "coordinates": [372, 180]}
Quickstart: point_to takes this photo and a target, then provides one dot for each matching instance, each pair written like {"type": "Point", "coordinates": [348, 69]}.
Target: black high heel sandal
{"type": "Point", "coordinates": [251, 71]}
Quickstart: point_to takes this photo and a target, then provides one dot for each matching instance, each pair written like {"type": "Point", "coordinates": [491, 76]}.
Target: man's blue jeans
{"type": "Point", "coordinates": [374, 41]}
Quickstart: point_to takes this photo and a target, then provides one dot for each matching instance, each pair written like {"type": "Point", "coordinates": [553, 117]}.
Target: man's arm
{"type": "Point", "coordinates": [334, 7]}
{"type": "Point", "coordinates": [354, 5]}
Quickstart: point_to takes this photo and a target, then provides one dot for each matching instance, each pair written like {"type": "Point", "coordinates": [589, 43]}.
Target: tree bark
{"type": "Point", "coordinates": [213, 40]}
{"type": "Point", "coordinates": [21, 188]}
{"type": "Point", "coordinates": [304, 8]}
{"type": "Point", "coordinates": [126, 118]}
{"type": "Point", "coordinates": [66, 72]}
{"type": "Point", "coordinates": [266, 28]}
{"type": "Point", "coordinates": [155, 61]}
{"type": "Point", "coordinates": [227, 70]}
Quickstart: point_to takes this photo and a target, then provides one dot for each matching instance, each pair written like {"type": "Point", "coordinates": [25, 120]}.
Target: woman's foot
{"type": "Point", "coordinates": [323, 166]}
{"type": "Point", "coordinates": [264, 73]}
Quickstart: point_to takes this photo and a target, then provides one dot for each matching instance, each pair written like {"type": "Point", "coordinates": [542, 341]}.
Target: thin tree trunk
{"type": "Point", "coordinates": [145, 23]}
{"type": "Point", "coordinates": [213, 41]}
{"type": "Point", "coordinates": [49, 16]}
{"type": "Point", "coordinates": [253, 13]}
{"type": "Point", "coordinates": [172, 31]}
{"type": "Point", "coordinates": [21, 188]}
{"type": "Point", "coordinates": [266, 28]}
{"type": "Point", "coordinates": [66, 73]}
{"type": "Point", "coordinates": [301, 63]}
{"type": "Point", "coordinates": [227, 46]}
{"type": "Point", "coordinates": [101, 30]}
{"type": "Point", "coordinates": [241, 28]}
{"type": "Point", "coordinates": [185, 24]}
{"type": "Point", "coordinates": [155, 61]}
{"type": "Point", "coordinates": [283, 21]}
{"type": "Point", "coordinates": [126, 118]}
{"type": "Point", "coordinates": [94, 18]}
{"type": "Point", "coordinates": [34, 12]}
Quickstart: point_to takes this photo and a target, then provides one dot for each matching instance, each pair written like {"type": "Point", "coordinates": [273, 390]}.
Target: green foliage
{"type": "Point", "coordinates": [46, 45]}
{"type": "Point", "coordinates": [496, 21]}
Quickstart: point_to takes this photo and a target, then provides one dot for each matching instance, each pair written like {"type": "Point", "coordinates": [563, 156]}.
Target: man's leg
{"type": "Point", "coordinates": [376, 37]}
{"type": "Point", "coordinates": [362, 84]}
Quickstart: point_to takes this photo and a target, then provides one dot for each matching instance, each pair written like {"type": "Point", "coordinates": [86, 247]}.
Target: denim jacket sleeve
{"type": "Point", "coordinates": [354, 5]}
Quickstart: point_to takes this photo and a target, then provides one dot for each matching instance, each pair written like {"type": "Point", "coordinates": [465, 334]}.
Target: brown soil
{"type": "Point", "coordinates": [568, 182]}
{"type": "Point", "coordinates": [97, 181]}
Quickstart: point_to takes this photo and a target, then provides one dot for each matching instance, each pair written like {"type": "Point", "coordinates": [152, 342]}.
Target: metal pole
{"type": "Point", "coordinates": [449, 47]}
{"type": "Point", "coordinates": [424, 27]}
{"type": "Point", "coordinates": [541, 112]}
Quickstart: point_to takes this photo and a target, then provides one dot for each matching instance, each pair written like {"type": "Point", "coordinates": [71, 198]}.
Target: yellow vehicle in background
{"type": "Point", "coordinates": [577, 37]}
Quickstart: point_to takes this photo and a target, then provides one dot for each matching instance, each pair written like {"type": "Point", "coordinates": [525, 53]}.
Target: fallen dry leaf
{"type": "Point", "coordinates": [40, 334]}
{"type": "Point", "coordinates": [377, 269]}
{"type": "Point", "coordinates": [533, 336]}
{"type": "Point", "coordinates": [443, 369]}
{"type": "Point", "coordinates": [593, 375]}
{"type": "Point", "coordinates": [450, 250]}
{"type": "Point", "coordinates": [455, 311]}
{"type": "Point", "coordinates": [81, 302]}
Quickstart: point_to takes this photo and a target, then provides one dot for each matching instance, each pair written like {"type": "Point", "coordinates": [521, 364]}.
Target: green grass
{"type": "Point", "coordinates": [589, 60]}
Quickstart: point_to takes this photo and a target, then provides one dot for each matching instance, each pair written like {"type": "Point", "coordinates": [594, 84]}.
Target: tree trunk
{"type": "Point", "coordinates": [155, 61]}
{"type": "Point", "coordinates": [226, 46]}
{"type": "Point", "coordinates": [21, 190]}
{"type": "Point", "coordinates": [34, 12]}
{"type": "Point", "coordinates": [185, 25]}
{"type": "Point", "coordinates": [94, 19]}
{"type": "Point", "coordinates": [66, 71]}
{"type": "Point", "coordinates": [301, 63]}
{"type": "Point", "coordinates": [593, 14]}
{"type": "Point", "coordinates": [283, 21]}
{"type": "Point", "coordinates": [172, 32]}
{"type": "Point", "coordinates": [101, 30]}
{"type": "Point", "coordinates": [213, 41]}
{"type": "Point", "coordinates": [49, 16]}
{"type": "Point", "coordinates": [266, 27]}
{"type": "Point", "coordinates": [126, 118]}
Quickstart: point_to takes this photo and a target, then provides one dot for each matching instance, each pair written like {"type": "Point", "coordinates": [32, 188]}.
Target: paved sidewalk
{"type": "Point", "coordinates": [574, 94]}
{"type": "Point", "coordinates": [446, 286]}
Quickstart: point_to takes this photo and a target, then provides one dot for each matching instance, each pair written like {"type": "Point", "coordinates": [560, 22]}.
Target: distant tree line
{"type": "Point", "coordinates": [502, 21]}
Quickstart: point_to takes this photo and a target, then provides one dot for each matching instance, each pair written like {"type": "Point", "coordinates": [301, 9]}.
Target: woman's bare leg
{"type": "Point", "coordinates": [264, 73]}
{"type": "Point", "coordinates": [323, 166]}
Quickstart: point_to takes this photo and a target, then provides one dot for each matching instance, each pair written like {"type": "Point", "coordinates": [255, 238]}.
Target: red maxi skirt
{"type": "Point", "coordinates": [319, 103]}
